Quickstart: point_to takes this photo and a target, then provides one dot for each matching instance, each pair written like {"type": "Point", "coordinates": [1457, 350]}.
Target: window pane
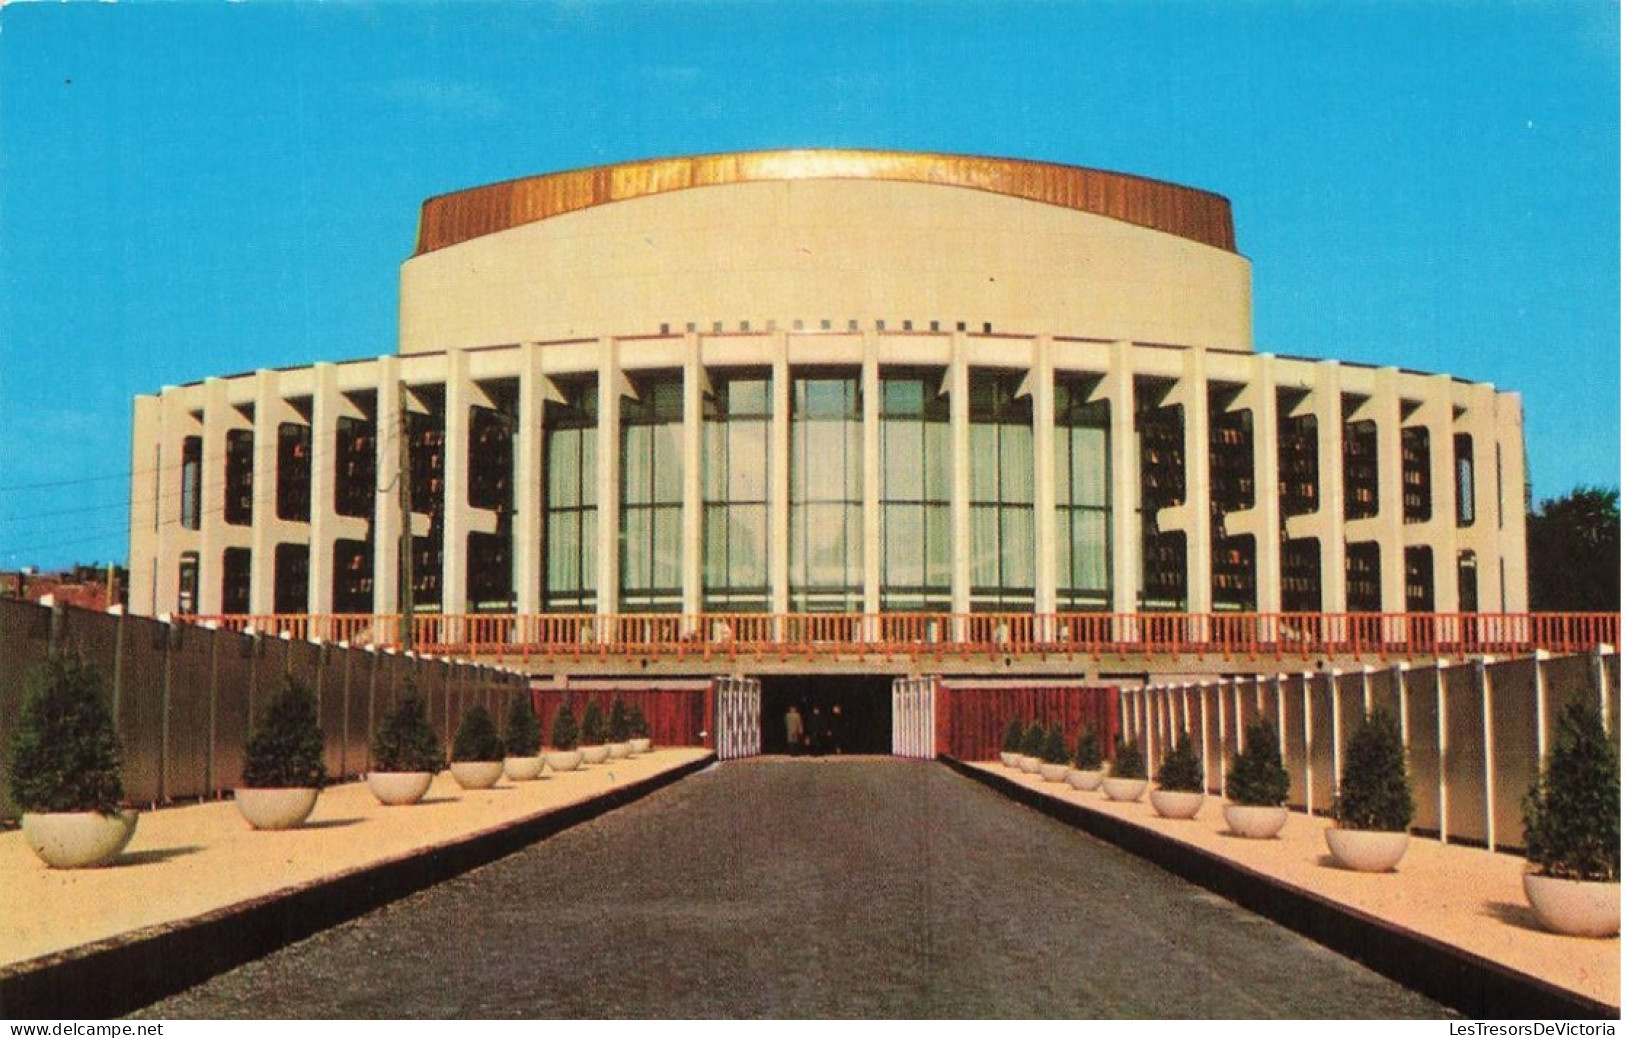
{"type": "Point", "coordinates": [635, 568]}
{"type": "Point", "coordinates": [747, 546]}
{"type": "Point", "coordinates": [714, 469]}
{"type": "Point", "coordinates": [747, 461]}
{"type": "Point", "coordinates": [1016, 539]}
{"type": "Point", "coordinates": [716, 546]}
{"type": "Point", "coordinates": [938, 546]}
{"type": "Point", "coordinates": [938, 461]}
{"type": "Point", "coordinates": [902, 470]}
{"type": "Point", "coordinates": [1016, 463]}
{"type": "Point", "coordinates": [984, 463]}
{"type": "Point", "coordinates": [668, 463]}
{"type": "Point", "coordinates": [668, 547]}
{"type": "Point", "coordinates": [1089, 546]}
{"type": "Point", "coordinates": [825, 447]}
{"type": "Point", "coordinates": [904, 540]}
{"type": "Point", "coordinates": [984, 538]}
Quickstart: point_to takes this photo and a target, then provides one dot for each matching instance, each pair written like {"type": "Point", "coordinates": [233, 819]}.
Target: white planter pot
{"type": "Point", "coordinates": [78, 839]}
{"type": "Point", "coordinates": [522, 769]}
{"type": "Point", "coordinates": [1084, 780]}
{"type": "Point", "coordinates": [1124, 789]}
{"type": "Point", "coordinates": [395, 788]}
{"type": "Point", "coordinates": [1174, 803]}
{"type": "Point", "coordinates": [641, 745]}
{"type": "Point", "coordinates": [1255, 823]}
{"type": "Point", "coordinates": [276, 808]}
{"type": "Point", "coordinates": [594, 754]}
{"type": "Point", "coordinates": [1573, 907]}
{"type": "Point", "coordinates": [1053, 772]}
{"type": "Point", "coordinates": [476, 774]}
{"type": "Point", "coordinates": [620, 750]}
{"type": "Point", "coordinates": [1009, 760]}
{"type": "Point", "coordinates": [1028, 765]}
{"type": "Point", "coordinates": [563, 760]}
{"type": "Point", "coordinates": [1367, 850]}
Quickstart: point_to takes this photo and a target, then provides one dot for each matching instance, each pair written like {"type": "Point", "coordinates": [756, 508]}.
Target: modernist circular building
{"type": "Point", "coordinates": [790, 385]}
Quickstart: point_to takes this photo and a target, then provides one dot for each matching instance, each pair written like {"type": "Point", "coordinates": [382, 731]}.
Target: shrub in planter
{"type": "Point", "coordinates": [1571, 829]}
{"type": "Point", "coordinates": [637, 727]}
{"type": "Point", "coordinates": [617, 732]}
{"type": "Point", "coordinates": [1127, 779]}
{"type": "Point", "coordinates": [65, 768]}
{"type": "Point", "coordinates": [405, 753]}
{"type": "Point", "coordinates": [1257, 784]}
{"type": "Point", "coordinates": [477, 750]}
{"type": "Point", "coordinates": [522, 744]}
{"type": "Point", "coordinates": [1032, 748]}
{"type": "Point", "coordinates": [1373, 806]}
{"type": "Point", "coordinates": [283, 762]}
{"type": "Point", "coordinates": [1180, 781]}
{"type": "Point", "coordinates": [1053, 755]}
{"type": "Point", "coordinates": [1086, 762]}
{"type": "Point", "coordinates": [563, 737]}
{"type": "Point", "coordinates": [593, 747]}
{"type": "Point", "coordinates": [1010, 748]}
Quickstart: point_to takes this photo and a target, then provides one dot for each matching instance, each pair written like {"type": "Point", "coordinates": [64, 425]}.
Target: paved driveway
{"type": "Point", "coordinates": [809, 888]}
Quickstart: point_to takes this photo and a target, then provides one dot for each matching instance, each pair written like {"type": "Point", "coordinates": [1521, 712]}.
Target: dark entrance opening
{"type": "Point", "coordinates": [840, 713]}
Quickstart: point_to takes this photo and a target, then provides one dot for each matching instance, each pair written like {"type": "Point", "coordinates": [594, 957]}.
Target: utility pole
{"type": "Point", "coordinates": [403, 480]}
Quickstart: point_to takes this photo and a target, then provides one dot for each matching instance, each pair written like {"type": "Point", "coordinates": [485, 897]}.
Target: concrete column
{"type": "Point", "coordinates": [1198, 520]}
{"type": "Point", "coordinates": [1439, 532]}
{"type": "Point", "coordinates": [871, 475]}
{"type": "Point", "coordinates": [1328, 404]}
{"type": "Point", "coordinates": [1507, 504]}
{"type": "Point", "coordinates": [1041, 379]}
{"type": "Point", "coordinates": [778, 514]}
{"type": "Point", "coordinates": [693, 521]}
{"type": "Point", "coordinates": [454, 557]}
{"type": "Point", "coordinates": [150, 485]}
{"type": "Point", "coordinates": [267, 416]}
{"type": "Point", "coordinates": [387, 517]}
{"type": "Point", "coordinates": [324, 416]}
{"type": "Point", "coordinates": [1266, 483]}
{"type": "Point", "coordinates": [1127, 564]}
{"type": "Point", "coordinates": [528, 490]}
{"type": "Point", "coordinates": [610, 386]}
{"type": "Point", "coordinates": [1390, 529]}
{"type": "Point", "coordinates": [959, 496]}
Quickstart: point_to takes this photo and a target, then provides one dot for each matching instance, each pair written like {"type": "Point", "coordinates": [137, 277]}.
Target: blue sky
{"type": "Point", "coordinates": [194, 189]}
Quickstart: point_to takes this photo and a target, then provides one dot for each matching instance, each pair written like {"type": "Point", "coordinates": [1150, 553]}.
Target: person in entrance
{"type": "Point", "coordinates": [795, 735]}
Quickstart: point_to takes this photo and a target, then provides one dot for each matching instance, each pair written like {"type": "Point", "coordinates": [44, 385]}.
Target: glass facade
{"type": "Point", "coordinates": [738, 473]}
{"type": "Point", "coordinates": [652, 493]}
{"type": "Point", "coordinates": [570, 531]}
{"type": "Point", "coordinates": [1082, 498]}
{"type": "Point", "coordinates": [1001, 492]}
{"type": "Point", "coordinates": [916, 522]}
{"type": "Point", "coordinates": [826, 492]}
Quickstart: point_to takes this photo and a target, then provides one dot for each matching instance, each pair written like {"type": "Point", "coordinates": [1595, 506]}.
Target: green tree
{"type": "Point", "coordinates": [1574, 553]}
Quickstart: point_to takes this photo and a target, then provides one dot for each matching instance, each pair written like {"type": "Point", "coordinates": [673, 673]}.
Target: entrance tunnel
{"type": "Point", "coordinates": [839, 713]}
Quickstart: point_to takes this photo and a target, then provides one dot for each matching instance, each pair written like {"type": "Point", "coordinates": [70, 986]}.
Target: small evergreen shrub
{"type": "Point", "coordinates": [1571, 814]}
{"type": "Point", "coordinates": [1088, 756]}
{"type": "Point", "coordinates": [1012, 736]}
{"type": "Point", "coordinates": [286, 750]}
{"type": "Point", "coordinates": [524, 738]}
{"type": "Point", "coordinates": [1256, 777]}
{"type": "Point", "coordinates": [477, 738]}
{"type": "Point", "coordinates": [1375, 792]}
{"type": "Point", "coordinates": [1054, 751]}
{"type": "Point", "coordinates": [1181, 770]}
{"type": "Point", "coordinates": [637, 725]}
{"type": "Point", "coordinates": [1032, 740]}
{"type": "Point", "coordinates": [1128, 762]}
{"type": "Point", "coordinates": [620, 728]}
{"type": "Point", "coordinates": [65, 753]}
{"type": "Point", "coordinates": [592, 724]}
{"type": "Point", "coordinates": [566, 734]}
{"type": "Point", "coordinates": [406, 742]}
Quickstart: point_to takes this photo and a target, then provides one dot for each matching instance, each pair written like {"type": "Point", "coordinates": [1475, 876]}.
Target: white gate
{"type": "Point", "coordinates": [739, 717]}
{"type": "Point", "coordinates": [914, 718]}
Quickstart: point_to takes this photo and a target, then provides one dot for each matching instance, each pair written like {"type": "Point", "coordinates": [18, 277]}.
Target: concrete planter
{"type": "Point", "coordinates": [1124, 789]}
{"type": "Point", "coordinates": [594, 754]}
{"type": "Point", "coordinates": [1175, 803]}
{"type": "Point", "coordinates": [641, 744]}
{"type": "Point", "coordinates": [1255, 823]}
{"type": "Point", "coordinates": [1367, 850]}
{"type": "Point", "coordinates": [563, 760]}
{"type": "Point", "coordinates": [276, 808]}
{"type": "Point", "coordinates": [1053, 772]}
{"type": "Point", "coordinates": [620, 750]}
{"type": "Point", "coordinates": [1028, 765]}
{"type": "Point", "coordinates": [1084, 780]}
{"type": "Point", "coordinates": [1009, 760]}
{"type": "Point", "coordinates": [522, 769]}
{"type": "Point", "coordinates": [476, 774]}
{"type": "Point", "coordinates": [78, 839]}
{"type": "Point", "coordinates": [1573, 907]}
{"type": "Point", "coordinates": [398, 788]}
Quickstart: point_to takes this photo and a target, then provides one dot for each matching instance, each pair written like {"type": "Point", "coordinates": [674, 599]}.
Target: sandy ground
{"type": "Point", "coordinates": [188, 861]}
{"type": "Point", "coordinates": [1472, 899]}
